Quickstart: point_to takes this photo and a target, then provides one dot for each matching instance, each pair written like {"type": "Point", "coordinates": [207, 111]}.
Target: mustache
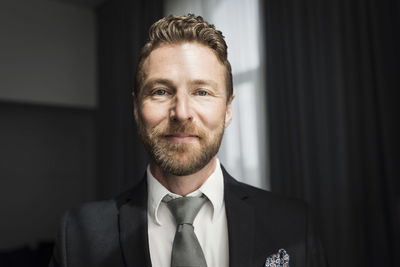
{"type": "Point", "coordinates": [180, 129]}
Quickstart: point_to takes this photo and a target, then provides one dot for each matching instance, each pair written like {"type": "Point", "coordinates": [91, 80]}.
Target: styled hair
{"type": "Point", "coordinates": [181, 29]}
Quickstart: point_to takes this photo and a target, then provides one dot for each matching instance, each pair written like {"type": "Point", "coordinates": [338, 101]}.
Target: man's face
{"type": "Point", "coordinates": [182, 108]}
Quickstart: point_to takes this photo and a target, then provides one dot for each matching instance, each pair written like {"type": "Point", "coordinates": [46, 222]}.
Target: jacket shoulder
{"type": "Point", "coordinates": [257, 195]}
{"type": "Point", "coordinates": [95, 209]}
{"type": "Point", "coordinates": [263, 200]}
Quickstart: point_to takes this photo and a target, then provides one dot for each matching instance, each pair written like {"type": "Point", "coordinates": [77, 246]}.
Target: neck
{"type": "Point", "coordinates": [184, 185]}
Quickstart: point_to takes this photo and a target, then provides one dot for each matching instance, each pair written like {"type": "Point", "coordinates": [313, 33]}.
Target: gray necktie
{"type": "Point", "coordinates": [186, 249]}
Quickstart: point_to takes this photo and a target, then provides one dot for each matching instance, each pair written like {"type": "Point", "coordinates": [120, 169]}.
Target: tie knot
{"type": "Point", "coordinates": [184, 209]}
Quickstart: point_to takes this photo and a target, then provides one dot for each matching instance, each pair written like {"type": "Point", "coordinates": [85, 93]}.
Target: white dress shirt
{"type": "Point", "coordinates": [210, 224]}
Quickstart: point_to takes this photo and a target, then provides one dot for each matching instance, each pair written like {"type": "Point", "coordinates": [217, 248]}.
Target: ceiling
{"type": "Point", "coordinates": [87, 3]}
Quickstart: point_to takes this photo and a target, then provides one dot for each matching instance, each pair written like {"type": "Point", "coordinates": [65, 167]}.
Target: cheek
{"type": "Point", "coordinates": [152, 115]}
{"type": "Point", "coordinates": [213, 116]}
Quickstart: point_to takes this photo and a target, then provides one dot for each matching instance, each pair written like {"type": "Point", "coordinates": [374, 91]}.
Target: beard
{"type": "Point", "coordinates": [180, 159]}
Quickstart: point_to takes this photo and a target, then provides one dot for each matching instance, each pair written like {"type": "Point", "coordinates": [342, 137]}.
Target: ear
{"type": "Point", "coordinates": [135, 106]}
{"type": "Point", "coordinates": [228, 112]}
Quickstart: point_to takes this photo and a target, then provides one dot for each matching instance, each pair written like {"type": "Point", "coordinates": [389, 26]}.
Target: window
{"type": "Point", "coordinates": [243, 151]}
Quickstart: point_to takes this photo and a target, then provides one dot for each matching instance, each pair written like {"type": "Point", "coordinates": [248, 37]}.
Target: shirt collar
{"type": "Point", "coordinates": [213, 189]}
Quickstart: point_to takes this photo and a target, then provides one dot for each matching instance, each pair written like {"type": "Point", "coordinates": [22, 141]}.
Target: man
{"type": "Point", "coordinates": [182, 104]}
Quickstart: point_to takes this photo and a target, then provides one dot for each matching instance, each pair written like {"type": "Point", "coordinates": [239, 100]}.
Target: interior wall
{"type": "Point", "coordinates": [47, 53]}
{"type": "Point", "coordinates": [47, 114]}
{"type": "Point", "coordinates": [46, 167]}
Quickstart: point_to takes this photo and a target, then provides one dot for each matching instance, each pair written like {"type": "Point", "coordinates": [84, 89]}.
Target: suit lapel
{"type": "Point", "coordinates": [133, 227]}
{"type": "Point", "coordinates": [134, 234]}
{"type": "Point", "coordinates": [240, 218]}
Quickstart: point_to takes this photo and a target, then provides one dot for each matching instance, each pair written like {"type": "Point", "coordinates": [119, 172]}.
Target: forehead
{"type": "Point", "coordinates": [188, 48]}
{"type": "Point", "coordinates": [184, 60]}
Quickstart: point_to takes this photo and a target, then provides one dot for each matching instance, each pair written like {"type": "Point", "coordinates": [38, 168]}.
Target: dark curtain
{"type": "Point", "coordinates": [122, 31]}
{"type": "Point", "coordinates": [332, 73]}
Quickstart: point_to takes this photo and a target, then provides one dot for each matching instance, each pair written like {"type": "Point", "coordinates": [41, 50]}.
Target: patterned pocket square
{"type": "Point", "coordinates": [280, 259]}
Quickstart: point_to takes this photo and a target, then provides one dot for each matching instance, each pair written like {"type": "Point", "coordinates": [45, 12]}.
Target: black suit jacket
{"type": "Point", "coordinates": [114, 233]}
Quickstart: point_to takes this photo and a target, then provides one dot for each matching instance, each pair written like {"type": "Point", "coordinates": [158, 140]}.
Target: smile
{"type": "Point", "coordinates": [181, 138]}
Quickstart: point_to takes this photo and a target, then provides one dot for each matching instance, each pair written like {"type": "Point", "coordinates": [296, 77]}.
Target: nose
{"type": "Point", "coordinates": [181, 109]}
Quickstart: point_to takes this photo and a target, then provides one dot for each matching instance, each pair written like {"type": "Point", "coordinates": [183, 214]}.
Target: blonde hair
{"type": "Point", "coordinates": [179, 29]}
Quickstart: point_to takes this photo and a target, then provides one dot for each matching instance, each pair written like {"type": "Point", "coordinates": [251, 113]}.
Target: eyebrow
{"type": "Point", "coordinates": [204, 82]}
{"type": "Point", "coordinates": [150, 83]}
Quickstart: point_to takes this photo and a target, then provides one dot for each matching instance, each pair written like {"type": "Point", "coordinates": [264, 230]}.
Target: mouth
{"type": "Point", "coordinates": [181, 138]}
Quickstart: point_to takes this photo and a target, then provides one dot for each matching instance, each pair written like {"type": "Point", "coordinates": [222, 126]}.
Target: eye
{"type": "Point", "coordinates": [160, 92]}
{"type": "Point", "coordinates": [202, 93]}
